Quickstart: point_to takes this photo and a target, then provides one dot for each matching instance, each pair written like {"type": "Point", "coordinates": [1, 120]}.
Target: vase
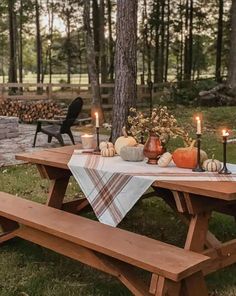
{"type": "Point", "coordinates": [153, 148]}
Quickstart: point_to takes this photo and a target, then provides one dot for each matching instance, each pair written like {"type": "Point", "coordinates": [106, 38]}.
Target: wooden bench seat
{"type": "Point", "coordinates": [109, 249]}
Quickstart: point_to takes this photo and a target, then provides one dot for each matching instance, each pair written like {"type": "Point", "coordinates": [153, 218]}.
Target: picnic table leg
{"type": "Point", "coordinates": [59, 181]}
{"type": "Point", "coordinates": [161, 286]}
{"type": "Point", "coordinates": [197, 232]}
{"type": "Point", "coordinates": [8, 229]}
{"type": "Point", "coordinates": [195, 285]}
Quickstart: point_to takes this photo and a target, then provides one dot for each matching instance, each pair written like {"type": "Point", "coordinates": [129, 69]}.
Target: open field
{"type": "Point", "coordinates": [27, 269]}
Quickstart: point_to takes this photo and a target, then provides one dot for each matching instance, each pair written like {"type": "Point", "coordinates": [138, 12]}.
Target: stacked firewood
{"type": "Point", "coordinates": [30, 111]}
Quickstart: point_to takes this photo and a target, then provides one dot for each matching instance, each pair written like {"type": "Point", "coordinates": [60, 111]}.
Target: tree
{"type": "Point", "coordinates": [12, 43]}
{"type": "Point", "coordinates": [231, 82]}
{"type": "Point", "coordinates": [125, 64]}
{"type": "Point", "coordinates": [38, 44]}
{"type": "Point", "coordinates": [91, 61]}
{"type": "Point", "coordinates": [219, 41]}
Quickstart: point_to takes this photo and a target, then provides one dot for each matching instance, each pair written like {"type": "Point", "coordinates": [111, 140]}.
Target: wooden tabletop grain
{"type": "Point", "coordinates": [59, 157]}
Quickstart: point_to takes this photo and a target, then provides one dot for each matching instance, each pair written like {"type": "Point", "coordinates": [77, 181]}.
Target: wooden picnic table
{"type": "Point", "coordinates": [193, 201]}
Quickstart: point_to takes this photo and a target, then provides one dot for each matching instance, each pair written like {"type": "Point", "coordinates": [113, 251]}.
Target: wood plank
{"type": "Point", "coordinates": [57, 192]}
{"type": "Point", "coordinates": [221, 256]}
{"type": "Point", "coordinates": [7, 236]}
{"type": "Point", "coordinates": [160, 258]}
{"type": "Point", "coordinates": [48, 158]}
{"type": "Point", "coordinates": [153, 284]}
{"type": "Point", "coordinates": [166, 287]}
{"type": "Point", "coordinates": [220, 190]}
{"type": "Point", "coordinates": [88, 257]}
{"type": "Point", "coordinates": [197, 233]}
{"type": "Point", "coordinates": [52, 173]}
{"type": "Point", "coordinates": [76, 206]}
{"type": "Point", "coordinates": [195, 285]}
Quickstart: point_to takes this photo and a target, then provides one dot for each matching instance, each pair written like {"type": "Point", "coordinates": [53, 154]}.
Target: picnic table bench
{"type": "Point", "coordinates": [175, 271]}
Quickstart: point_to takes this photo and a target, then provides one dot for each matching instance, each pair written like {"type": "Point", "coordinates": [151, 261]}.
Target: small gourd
{"type": "Point", "coordinates": [132, 153]}
{"type": "Point", "coordinates": [104, 145]}
{"type": "Point", "coordinates": [108, 151]}
{"type": "Point", "coordinates": [165, 159]}
{"type": "Point", "coordinates": [212, 165]}
{"type": "Point", "coordinates": [123, 141]}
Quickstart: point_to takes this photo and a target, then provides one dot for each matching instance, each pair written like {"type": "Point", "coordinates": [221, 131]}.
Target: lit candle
{"type": "Point", "coordinates": [199, 126]}
{"type": "Point", "coordinates": [87, 141]}
{"type": "Point", "coordinates": [97, 119]}
{"type": "Point", "coordinates": [225, 170]}
{"type": "Point", "coordinates": [225, 133]}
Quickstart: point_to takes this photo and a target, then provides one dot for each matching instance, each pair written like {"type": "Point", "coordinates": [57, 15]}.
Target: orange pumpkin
{"type": "Point", "coordinates": [187, 157]}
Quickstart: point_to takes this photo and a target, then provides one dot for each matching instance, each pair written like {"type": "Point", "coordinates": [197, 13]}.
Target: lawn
{"type": "Point", "coordinates": [27, 269]}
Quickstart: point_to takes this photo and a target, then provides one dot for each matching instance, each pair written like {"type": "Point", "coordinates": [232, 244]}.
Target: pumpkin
{"type": "Point", "coordinates": [187, 157]}
{"type": "Point", "coordinates": [212, 165]}
{"type": "Point", "coordinates": [165, 159]}
{"type": "Point", "coordinates": [123, 141]}
{"type": "Point", "coordinates": [108, 152]}
{"type": "Point", "coordinates": [134, 153]}
{"type": "Point", "coordinates": [104, 145]}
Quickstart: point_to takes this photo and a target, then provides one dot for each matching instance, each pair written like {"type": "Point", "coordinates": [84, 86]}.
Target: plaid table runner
{"type": "Point", "coordinates": [113, 186]}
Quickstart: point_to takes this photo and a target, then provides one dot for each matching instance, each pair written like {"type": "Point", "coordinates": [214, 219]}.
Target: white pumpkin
{"type": "Point", "coordinates": [104, 145]}
{"type": "Point", "coordinates": [123, 141]}
{"type": "Point", "coordinates": [212, 165]}
{"type": "Point", "coordinates": [130, 153]}
{"type": "Point", "coordinates": [108, 152]}
{"type": "Point", "coordinates": [165, 159]}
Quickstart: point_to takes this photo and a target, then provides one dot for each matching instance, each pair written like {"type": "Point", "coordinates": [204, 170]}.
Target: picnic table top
{"type": "Point", "coordinates": [59, 158]}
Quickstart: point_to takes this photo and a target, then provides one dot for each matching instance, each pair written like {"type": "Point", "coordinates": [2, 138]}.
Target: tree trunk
{"type": "Point", "coordinates": [38, 45]}
{"type": "Point", "coordinates": [92, 67]}
{"type": "Point", "coordinates": [96, 31]}
{"type": "Point", "coordinates": [125, 64]}
{"type": "Point", "coordinates": [186, 42]}
{"type": "Point", "coordinates": [102, 43]}
{"type": "Point", "coordinates": [162, 47]}
{"type": "Point", "coordinates": [219, 41]}
{"type": "Point", "coordinates": [190, 52]}
{"type": "Point", "coordinates": [111, 42]}
{"type": "Point", "coordinates": [232, 56]}
{"type": "Point", "coordinates": [167, 41]}
{"type": "Point", "coordinates": [21, 44]}
{"type": "Point", "coordinates": [157, 46]}
{"type": "Point", "coordinates": [147, 42]}
{"type": "Point", "coordinates": [68, 50]}
{"type": "Point", "coordinates": [12, 43]}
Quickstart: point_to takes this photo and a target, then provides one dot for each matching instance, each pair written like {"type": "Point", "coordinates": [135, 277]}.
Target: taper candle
{"type": "Point", "coordinates": [97, 119]}
{"type": "Point", "coordinates": [199, 126]}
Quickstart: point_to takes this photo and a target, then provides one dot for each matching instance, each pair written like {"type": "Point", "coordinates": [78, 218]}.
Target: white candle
{"type": "Point", "coordinates": [199, 126]}
{"type": "Point", "coordinates": [97, 119]}
{"type": "Point", "coordinates": [87, 141]}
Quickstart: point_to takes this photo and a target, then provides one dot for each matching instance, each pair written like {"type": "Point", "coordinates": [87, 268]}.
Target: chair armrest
{"type": "Point", "coordinates": [78, 121]}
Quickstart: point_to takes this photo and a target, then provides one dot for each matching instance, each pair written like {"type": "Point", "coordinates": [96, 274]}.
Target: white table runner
{"type": "Point", "coordinates": [113, 186]}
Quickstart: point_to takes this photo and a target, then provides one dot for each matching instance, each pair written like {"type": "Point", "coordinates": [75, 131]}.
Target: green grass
{"type": "Point", "coordinates": [28, 269]}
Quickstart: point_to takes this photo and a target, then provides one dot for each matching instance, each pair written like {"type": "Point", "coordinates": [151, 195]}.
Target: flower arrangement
{"type": "Point", "coordinates": [161, 123]}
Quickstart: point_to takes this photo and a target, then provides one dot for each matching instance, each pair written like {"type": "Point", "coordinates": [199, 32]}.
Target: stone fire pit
{"type": "Point", "coordinates": [9, 127]}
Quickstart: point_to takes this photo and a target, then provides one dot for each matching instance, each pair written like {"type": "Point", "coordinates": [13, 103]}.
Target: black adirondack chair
{"type": "Point", "coordinates": [56, 128]}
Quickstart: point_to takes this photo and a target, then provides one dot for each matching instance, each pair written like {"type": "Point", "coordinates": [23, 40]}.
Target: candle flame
{"type": "Point", "coordinates": [96, 114]}
{"type": "Point", "coordinates": [197, 118]}
{"type": "Point", "coordinates": [225, 133]}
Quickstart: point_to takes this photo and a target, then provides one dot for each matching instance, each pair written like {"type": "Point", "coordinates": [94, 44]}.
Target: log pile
{"type": "Point", "coordinates": [217, 96]}
{"type": "Point", "coordinates": [30, 111]}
